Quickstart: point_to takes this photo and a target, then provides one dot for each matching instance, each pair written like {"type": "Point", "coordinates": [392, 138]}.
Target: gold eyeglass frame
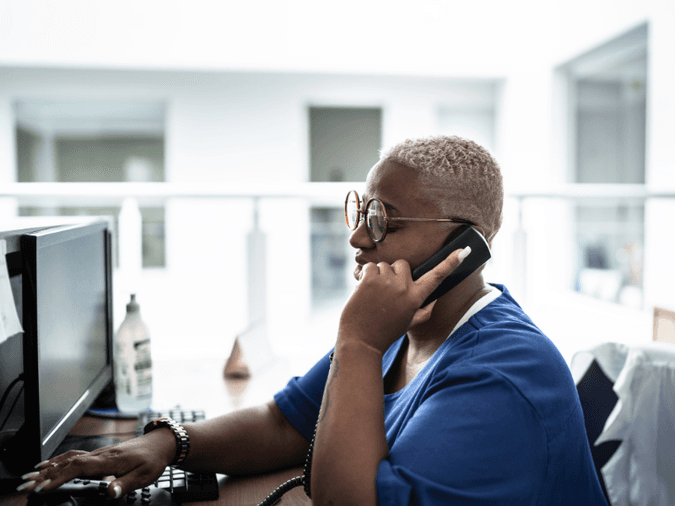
{"type": "Point", "coordinates": [361, 214]}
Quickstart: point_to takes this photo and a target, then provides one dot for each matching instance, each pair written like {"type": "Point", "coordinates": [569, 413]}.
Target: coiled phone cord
{"type": "Point", "coordinates": [294, 482]}
{"type": "Point", "coordinates": [298, 480]}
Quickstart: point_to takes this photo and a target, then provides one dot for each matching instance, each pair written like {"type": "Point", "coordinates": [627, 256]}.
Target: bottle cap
{"type": "Point", "coordinates": [133, 306]}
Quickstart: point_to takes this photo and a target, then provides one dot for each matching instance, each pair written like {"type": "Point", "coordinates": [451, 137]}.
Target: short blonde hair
{"type": "Point", "coordinates": [463, 178]}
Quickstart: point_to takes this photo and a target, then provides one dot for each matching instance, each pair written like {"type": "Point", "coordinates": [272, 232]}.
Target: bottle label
{"type": "Point", "coordinates": [143, 368]}
{"type": "Point", "coordinates": [133, 369]}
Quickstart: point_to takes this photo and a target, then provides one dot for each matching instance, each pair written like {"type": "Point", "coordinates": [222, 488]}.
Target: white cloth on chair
{"type": "Point", "coordinates": [642, 471]}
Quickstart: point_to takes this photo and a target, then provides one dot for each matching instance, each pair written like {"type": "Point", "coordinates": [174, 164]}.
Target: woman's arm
{"type": "Point", "coordinates": [252, 440]}
{"type": "Point", "coordinates": [350, 440]}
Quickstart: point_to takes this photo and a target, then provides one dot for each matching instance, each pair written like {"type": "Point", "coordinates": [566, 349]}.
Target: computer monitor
{"type": "Point", "coordinates": [64, 358]}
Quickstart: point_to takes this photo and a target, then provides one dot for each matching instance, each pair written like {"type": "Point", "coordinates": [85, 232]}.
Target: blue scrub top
{"type": "Point", "coordinates": [493, 418]}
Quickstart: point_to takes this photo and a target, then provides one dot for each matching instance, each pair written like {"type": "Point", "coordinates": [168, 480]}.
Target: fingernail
{"type": "Point", "coordinates": [118, 491]}
{"type": "Point", "coordinates": [30, 475]}
{"type": "Point", "coordinates": [24, 486]}
{"type": "Point", "coordinates": [41, 486]}
{"type": "Point", "coordinates": [464, 253]}
{"type": "Point", "coordinates": [41, 463]}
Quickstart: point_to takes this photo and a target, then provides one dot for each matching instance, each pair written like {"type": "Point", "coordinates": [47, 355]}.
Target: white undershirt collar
{"type": "Point", "coordinates": [478, 305]}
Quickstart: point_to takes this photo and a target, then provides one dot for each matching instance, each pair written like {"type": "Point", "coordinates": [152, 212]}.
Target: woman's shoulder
{"type": "Point", "coordinates": [501, 342]}
{"type": "Point", "coordinates": [505, 329]}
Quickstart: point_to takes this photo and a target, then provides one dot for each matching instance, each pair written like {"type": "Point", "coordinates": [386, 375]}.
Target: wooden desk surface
{"type": "Point", "coordinates": [234, 491]}
{"type": "Point", "coordinates": [200, 385]}
{"type": "Point", "coordinates": [241, 491]}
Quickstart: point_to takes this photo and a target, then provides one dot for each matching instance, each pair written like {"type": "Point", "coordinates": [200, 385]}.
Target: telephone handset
{"type": "Point", "coordinates": [461, 237]}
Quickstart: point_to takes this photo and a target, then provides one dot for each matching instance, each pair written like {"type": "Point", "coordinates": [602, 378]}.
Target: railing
{"type": "Point", "coordinates": [106, 194]}
{"type": "Point", "coordinates": [131, 196]}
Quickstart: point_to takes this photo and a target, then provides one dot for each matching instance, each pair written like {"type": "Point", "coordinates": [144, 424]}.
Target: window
{"type": "Point", "coordinates": [344, 145]}
{"type": "Point", "coordinates": [607, 101]}
{"type": "Point", "coordinates": [94, 141]}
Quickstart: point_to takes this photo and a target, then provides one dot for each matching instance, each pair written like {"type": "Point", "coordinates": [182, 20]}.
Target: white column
{"type": "Point", "coordinates": [45, 169]}
{"type": "Point", "coordinates": [257, 277]}
{"type": "Point", "coordinates": [523, 138]}
{"type": "Point", "coordinates": [131, 245]}
{"type": "Point", "coordinates": [8, 172]}
{"type": "Point", "coordinates": [659, 275]}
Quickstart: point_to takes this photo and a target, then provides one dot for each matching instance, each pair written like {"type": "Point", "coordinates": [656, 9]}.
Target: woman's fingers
{"type": "Point", "coordinates": [55, 472]}
{"type": "Point", "coordinates": [133, 480]}
{"type": "Point", "coordinates": [134, 464]}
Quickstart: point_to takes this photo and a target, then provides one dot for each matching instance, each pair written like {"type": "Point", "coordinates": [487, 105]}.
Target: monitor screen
{"type": "Point", "coordinates": [67, 341]}
{"type": "Point", "coordinates": [71, 296]}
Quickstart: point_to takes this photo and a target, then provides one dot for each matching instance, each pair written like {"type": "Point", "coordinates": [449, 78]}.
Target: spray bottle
{"type": "Point", "coordinates": [133, 362]}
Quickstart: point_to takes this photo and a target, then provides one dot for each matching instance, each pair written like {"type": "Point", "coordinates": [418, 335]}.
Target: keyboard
{"type": "Point", "coordinates": [172, 488]}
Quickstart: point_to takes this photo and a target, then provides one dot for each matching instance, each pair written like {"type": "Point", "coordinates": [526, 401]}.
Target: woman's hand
{"type": "Point", "coordinates": [386, 302]}
{"type": "Point", "coordinates": [134, 464]}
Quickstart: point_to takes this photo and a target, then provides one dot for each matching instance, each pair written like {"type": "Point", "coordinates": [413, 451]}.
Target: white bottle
{"type": "Point", "coordinates": [133, 362]}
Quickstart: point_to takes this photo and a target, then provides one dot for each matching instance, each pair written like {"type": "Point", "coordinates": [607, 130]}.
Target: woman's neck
{"type": "Point", "coordinates": [427, 337]}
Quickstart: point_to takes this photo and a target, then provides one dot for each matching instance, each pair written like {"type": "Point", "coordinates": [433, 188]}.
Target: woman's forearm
{"type": "Point", "coordinates": [248, 441]}
{"type": "Point", "coordinates": [350, 440]}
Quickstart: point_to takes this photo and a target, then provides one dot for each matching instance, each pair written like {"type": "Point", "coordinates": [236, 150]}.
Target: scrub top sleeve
{"type": "Point", "coordinates": [300, 400]}
{"type": "Point", "coordinates": [473, 438]}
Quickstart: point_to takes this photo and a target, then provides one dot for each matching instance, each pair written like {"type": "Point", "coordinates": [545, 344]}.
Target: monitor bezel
{"type": "Point", "coordinates": [38, 448]}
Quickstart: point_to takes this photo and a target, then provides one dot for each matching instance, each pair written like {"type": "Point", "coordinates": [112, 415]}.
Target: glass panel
{"type": "Point", "coordinates": [608, 109]}
{"type": "Point", "coordinates": [94, 141]}
{"type": "Point", "coordinates": [610, 252]}
{"type": "Point", "coordinates": [153, 227]}
{"type": "Point", "coordinates": [330, 252]}
{"type": "Point", "coordinates": [154, 254]}
{"type": "Point", "coordinates": [343, 142]}
{"type": "Point", "coordinates": [610, 139]}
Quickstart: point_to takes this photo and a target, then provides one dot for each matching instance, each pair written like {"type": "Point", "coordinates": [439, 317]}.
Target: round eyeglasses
{"type": "Point", "coordinates": [376, 216]}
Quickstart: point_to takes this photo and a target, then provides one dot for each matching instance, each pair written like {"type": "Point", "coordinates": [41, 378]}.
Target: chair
{"type": "Point", "coordinates": [664, 325]}
{"type": "Point", "coordinates": [626, 394]}
{"type": "Point", "coordinates": [597, 402]}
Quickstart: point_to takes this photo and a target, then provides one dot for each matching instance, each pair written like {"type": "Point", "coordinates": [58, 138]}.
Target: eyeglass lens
{"type": "Point", "coordinates": [375, 220]}
{"type": "Point", "coordinates": [352, 210]}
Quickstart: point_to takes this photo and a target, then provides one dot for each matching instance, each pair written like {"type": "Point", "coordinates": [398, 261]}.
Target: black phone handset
{"type": "Point", "coordinates": [461, 237]}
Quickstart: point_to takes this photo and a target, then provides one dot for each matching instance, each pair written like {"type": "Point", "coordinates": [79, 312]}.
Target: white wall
{"type": "Point", "coordinates": [430, 37]}
{"type": "Point", "coordinates": [659, 242]}
{"type": "Point", "coordinates": [243, 121]}
{"type": "Point", "coordinates": [224, 127]}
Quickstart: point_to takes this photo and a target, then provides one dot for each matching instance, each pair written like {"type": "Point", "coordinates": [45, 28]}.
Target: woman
{"type": "Point", "coordinates": [464, 400]}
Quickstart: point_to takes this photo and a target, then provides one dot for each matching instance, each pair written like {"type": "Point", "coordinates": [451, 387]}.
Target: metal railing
{"type": "Point", "coordinates": [46, 195]}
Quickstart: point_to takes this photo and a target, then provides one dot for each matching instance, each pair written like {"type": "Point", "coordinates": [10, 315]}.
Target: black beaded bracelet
{"type": "Point", "coordinates": [179, 432]}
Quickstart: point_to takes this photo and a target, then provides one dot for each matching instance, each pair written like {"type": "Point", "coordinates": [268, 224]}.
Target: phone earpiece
{"type": "Point", "coordinates": [461, 237]}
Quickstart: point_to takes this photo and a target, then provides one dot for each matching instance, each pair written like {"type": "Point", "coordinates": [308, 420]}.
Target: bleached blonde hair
{"type": "Point", "coordinates": [460, 176]}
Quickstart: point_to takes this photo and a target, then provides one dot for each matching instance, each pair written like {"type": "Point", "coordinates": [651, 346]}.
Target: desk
{"type": "Point", "coordinates": [200, 385]}
{"type": "Point", "coordinates": [234, 491]}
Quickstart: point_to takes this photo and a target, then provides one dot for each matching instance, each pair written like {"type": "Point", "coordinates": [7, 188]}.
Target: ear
{"type": "Point", "coordinates": [482, 232]}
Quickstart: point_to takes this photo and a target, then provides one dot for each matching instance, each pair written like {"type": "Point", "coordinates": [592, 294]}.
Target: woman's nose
{"type": "Point", "coordinates": [359, 239]}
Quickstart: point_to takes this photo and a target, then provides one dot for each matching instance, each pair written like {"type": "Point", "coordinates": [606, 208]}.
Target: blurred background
{"type": "Point", "coordinates": [222, 138]}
